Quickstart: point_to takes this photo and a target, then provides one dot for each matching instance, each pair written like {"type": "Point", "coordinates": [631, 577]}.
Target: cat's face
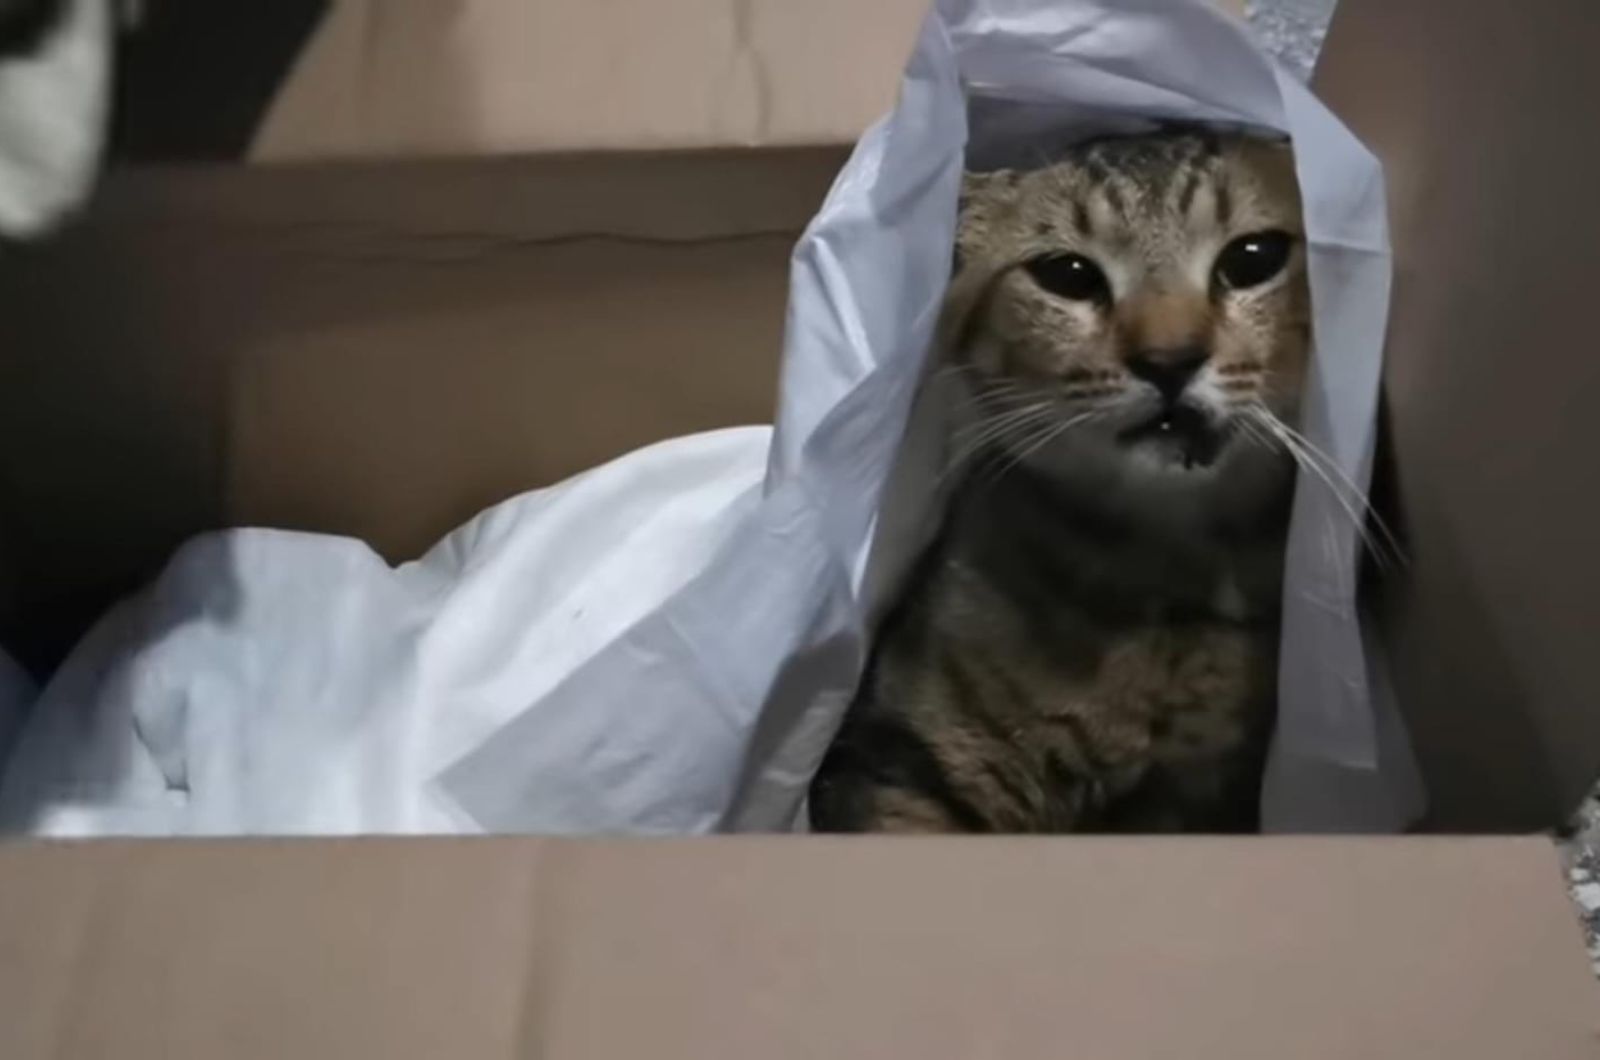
{"type": "Point", "coordinates": [1132, 312]}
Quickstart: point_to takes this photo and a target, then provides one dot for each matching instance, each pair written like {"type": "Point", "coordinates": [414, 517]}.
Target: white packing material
{"type": "Point", "coordinates": [283, 683]}
{"type": "Point", "coordinates": [287, 683]}
{"type": "Point", "coordinates": [54, 104]}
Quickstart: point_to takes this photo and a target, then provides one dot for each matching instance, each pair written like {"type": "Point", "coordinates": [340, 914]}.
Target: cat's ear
{"type": "Point", "coordinates": [983, 197]}
{"type": "Point", "coordinates": [977, 188]}
{"type": "Point", "coordinates": [987, 199]}
{"type": "Point", "coordinates": [974, 187]}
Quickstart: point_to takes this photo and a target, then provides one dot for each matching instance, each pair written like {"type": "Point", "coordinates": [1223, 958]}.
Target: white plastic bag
{"type": "Point", "coordinates": [726, 696]}
{"type": "Point", "coordinates": [284, 683]}
{"type": "Point", "coordinates": [54, 103]}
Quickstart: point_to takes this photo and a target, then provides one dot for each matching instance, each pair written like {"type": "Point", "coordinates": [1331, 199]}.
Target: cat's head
{"type": "Point", "coordinates": [1128, 316]}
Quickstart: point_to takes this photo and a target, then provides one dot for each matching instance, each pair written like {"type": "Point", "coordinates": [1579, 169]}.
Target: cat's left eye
{"type": "Point", "coordinates": [1252, 260]}
{"type": "Point", "coordinates": [1070, 276]}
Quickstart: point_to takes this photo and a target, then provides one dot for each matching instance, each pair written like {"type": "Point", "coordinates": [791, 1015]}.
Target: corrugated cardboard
{"type": "Point", "coordinates": [418, 78]}
{"type": "Point", "coordinates": [477, 950]}
{"type": "Point", "coordinates": [1490, 376]}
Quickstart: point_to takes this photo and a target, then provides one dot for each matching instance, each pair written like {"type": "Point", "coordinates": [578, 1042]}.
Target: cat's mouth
{"type": "Point", "coordinates": [1181, 435]}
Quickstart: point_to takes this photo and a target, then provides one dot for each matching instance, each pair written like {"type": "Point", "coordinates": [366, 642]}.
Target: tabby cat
{"type": "Point", "coordinates": [1091, 643]}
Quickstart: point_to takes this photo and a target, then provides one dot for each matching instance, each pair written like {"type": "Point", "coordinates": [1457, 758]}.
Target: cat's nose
{"type": "Point", "coordinates": [1168, 370]}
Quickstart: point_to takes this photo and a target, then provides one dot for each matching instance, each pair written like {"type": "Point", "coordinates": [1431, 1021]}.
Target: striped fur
{"type": "Point", "coordinates": [1090, 645]}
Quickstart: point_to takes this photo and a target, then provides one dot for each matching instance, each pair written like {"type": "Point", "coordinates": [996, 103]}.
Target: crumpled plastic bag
{"type": "Point", "coordinates": [296, 684]}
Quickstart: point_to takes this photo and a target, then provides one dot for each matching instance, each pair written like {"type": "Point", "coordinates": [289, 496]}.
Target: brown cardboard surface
{"type": "Point", "coordinates": [417, 78]}
{"type": "Point", "coordinates": [1117, 949]}
{"type": "Point", "coordinates": [1490, 375]}
{"type": "Point", "coordinates": [424, 79]}
{"type": "Point", "coordinates": [376, 350]}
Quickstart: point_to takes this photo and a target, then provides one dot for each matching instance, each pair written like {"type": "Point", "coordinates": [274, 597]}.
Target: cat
{"type": "Point", "coordinates": [1090, 644]}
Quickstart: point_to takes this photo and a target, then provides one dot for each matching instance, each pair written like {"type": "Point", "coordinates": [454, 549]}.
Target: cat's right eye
{"type": "Point", "coordinates": [1252, 260]}
{"type": "Point", "coordinates": [1071, 276]}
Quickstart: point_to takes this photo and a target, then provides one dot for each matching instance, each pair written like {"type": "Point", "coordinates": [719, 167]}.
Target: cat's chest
{"type": "Point", "coordinates": [1179, 699]}
{"type": "Point", "coordinates": [1184, 680]}
{"type": "Point", "coordinates": [1164, 720]}
{"type": "Point", "coordinates": [1184, 691]}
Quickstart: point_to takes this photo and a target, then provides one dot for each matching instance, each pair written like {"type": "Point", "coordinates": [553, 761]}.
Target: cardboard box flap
{"type": "Point", "coordinates": [421, 78]}
{"type": "Point", "coordinates": [1488, 374]}
{"type": "Point", "coordinates": [787, 948]}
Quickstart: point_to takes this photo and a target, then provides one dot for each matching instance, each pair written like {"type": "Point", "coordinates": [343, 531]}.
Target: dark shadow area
{"type": "Point", "coordinates": [196, 77]}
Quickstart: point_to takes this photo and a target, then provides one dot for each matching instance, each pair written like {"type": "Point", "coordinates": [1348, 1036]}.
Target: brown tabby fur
{"type": "Point", "coordinates": [1091, 643]}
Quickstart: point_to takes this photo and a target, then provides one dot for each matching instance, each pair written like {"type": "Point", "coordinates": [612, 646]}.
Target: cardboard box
{"type": "Point", "coordinates": [788, 948]}
{"type": "Point", "coordinates": [383, 348]}
{"type": "Point", "coordinates": [423, 315]}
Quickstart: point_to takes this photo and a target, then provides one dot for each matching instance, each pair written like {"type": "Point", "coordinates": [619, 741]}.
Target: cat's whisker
{"type": "Point", "coordinates": [979, 437]}
{"type": "Point", "coordinates": [990, 447]}
{"type": "Point", "coordinates": [977, 382]}
{"type": "Point", "coordinates": [998, 422]}
{"type": "Point", "coordinates": [1002, 398]}
{"type": "Point", "coordinates": [1350, 500]}
{"type": "Point", "coordinates": [1030, 445]}
{"type": "Point", "coordinates": [1379, 554]}
{"type": "Point", "coordinates": [1031, 418]}
{"type": "Point", "coordinates": [1327, 462]}
{"type": "Point", "coordinates": [1305, 463]}
{"type": "Point", "coordinates": [995, 402]}
{"type": "Point", "coordinates": [1255, 435]}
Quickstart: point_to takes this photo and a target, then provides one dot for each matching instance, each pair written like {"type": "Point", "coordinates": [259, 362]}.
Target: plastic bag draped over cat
{"type": "Point", "coordinates": [738, 713]}
{"type": "Point", "coordinates": [667, 644]}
